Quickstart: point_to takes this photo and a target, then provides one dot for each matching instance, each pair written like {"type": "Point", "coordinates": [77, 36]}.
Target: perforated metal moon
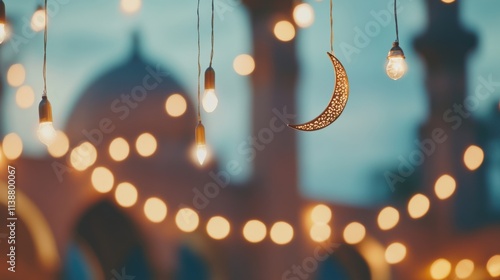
{"type": "Point", "coordinates": [337, 103]}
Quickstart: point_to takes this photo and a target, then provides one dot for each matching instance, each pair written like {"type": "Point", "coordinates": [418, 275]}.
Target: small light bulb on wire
{"type": "Point", "coordinates": [46, 132]}
{"type": "Point", "coordinates": [201, 147]}
{"type": "Point", "coordinates": [396, 66]}
{"type": "Point", "coordinates": [210, 99]}
{"type": "Point", "coordinates": [38, 19]}
{"type": "Point", "coordinates": [3, 32]}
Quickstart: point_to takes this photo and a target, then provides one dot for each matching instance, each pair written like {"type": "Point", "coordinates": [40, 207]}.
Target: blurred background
{"type": "Point", "coordinates": [404, 185]}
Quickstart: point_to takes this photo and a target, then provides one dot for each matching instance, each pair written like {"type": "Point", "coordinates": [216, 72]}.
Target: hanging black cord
{"type": "Point", "coordinates": [396, 20]}
{"type": "Point", "coordinates": [212, 53]}
{"type": "Point", "coordinates": [199, 63]}
{"type": "Point", "coordinates": [44, 94]}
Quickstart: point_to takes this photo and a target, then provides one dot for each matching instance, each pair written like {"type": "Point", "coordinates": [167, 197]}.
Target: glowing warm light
{"type": "Point", "coordinates": [254, 231]}
{"type": "Point", "coordinates": [146, 145]}
{"type": "Point", "coordinates": [440, 269]}
{"type": "Point", "coordinates": [126, 194]}
{"type": "Point", "coordinates": [3, 33]}
{"type": "Point", "coordinates": [218, 228]}
{"type": "Point", "coordinates": [38, 20]}
{"type": "Point", "coordinates": [493, 266]}
{"type": "Point", "coordinates": [25, 97]}
{"type": "Point", "coordinates": [418, 206]}
{"type": "Point", "coordinates": [155, 210]}
{"type": "Point", "coordinates": [187, 220]}
{"type": "Point", "coordinates": [281, 233]}
{"type": "Point", "coordinates": [464, 269]}
{"type": "Point", "coordinates": [16, 75]}
{"type": "Point", "coordinates": [388, 218]}
{"type": "Point", "coordinates": [354, 233]}
{"type": "Point", "coordinates": [321, 214]}
{"type": "Point", "coordinates": [473, 157]}
{"type": "Point", "coordinates": [320, 232]}
{"type": "Point", "coordinates": [60, 146]}
{"type": "Point", "coordinates": [395, 253]}
{"type": "Point", "coordinates": [244, 64]}
{"type": "Point", "coordinates": [210, 101]}
{"type": "Point", "coordinates": [119, 149]}
{"type": "Point", "coordinates": [445, 186]}
{"type": "Point", "coordinates": [176, 105]}
{"type": "Point", "coordinates": [12, 146]}
{"type": "Point", "coordinates": [303, 14]}
{"type": "Point", "coordinates": [46, 133]}
{"type": "Point", "coordinates": [130, 6]}
{"type": "Point", "coordinates": [83, 156]}
{"type": "Point", "coordinates": [448, 1]}
{"type": "Point", "coordinates": [201, 153]}
{"type": "Point", "coordinates": [396, 67]}
{"type": "Point", "coordinates": [102, 179]}
{"type": "Point", "coordinates": [284, 31]}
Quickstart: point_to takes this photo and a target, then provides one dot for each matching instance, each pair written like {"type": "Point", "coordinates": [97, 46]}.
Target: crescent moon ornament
{"type": "Point", "coordinates": [337, 103]}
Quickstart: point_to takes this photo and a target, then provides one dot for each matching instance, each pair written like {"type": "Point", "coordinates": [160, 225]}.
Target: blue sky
{"type": "Point", "coordinates": [343, 163]}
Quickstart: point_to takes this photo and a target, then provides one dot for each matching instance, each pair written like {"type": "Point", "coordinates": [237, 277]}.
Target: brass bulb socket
{"type": "Point", "coordinates": [2, 12]}
{"type": "Point", "coordinates": [200, 134]}
{"type": "Point", "coordinates": [45, 110]}
{"type": "Point", "coordinates": [396, 51]}
{"type": "Point", "coordinates": [210, 79]}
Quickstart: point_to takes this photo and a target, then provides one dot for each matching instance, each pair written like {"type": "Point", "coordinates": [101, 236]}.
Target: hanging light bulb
{"type": "Point", "coordinates": [3, 33]}
{"type": "Point", "coordinates": [210, 99]}
{"type": "Point", "coordinates": [46, 131]}
{"type": "Point", "coordinates": [201, 147]}
{"type": "Point", "coordinates": [396, 66]}
{"type": "Point", "coordinates": [38, 19]}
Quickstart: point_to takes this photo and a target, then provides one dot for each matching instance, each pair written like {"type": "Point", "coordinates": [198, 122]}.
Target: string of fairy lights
{"type": "Point", "coordinates": [84, 156]}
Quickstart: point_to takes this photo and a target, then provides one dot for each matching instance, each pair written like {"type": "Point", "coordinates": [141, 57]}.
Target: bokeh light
{"type": "Point", "coordinates": [146, 145]}
{"type": "Point", "coordinates": [464, 269]}
{"type": "Point", "coordinates": [354, 233]}
{"type": "Point", "coordinates": [218, 228]}
{"type": "Point", "coordinates": [303, 14]}
{"type": "Point", "coordinates": [130, 6]}
{"type": "Point", "coordinates": [281, 233]}
{"type": "Point", "coordinates": [473, 157]}
{"type": "Point", "coordinates": [284, 31]}
{"type": "Point", "coordinates": [12, 146]}
{"type": "Point", "coordinates": [126, 194]}
{"type": "Point", "coordinates": [176, 105]}
{"type": "Point", "coordinates": [119, 149]}
{"type": "Point", "coordinates": [440, 269]}
{"type": "Point", "coordinates": [388, 218]}
{"type": "Point", "coordinates": [60, 146]}
{"type": "Point", "coordinates": [102, 179]}
{"type": "Point", "coordinates": [254, 231]}
{"type": "Point", "coordinates": [321, 214]}
{"type": "Point", "coordinates": [25, 97]}
{"type": "Point", "coordinates": [320, 232]}
{"type": "Point", "coordinates": [445, 186]}
{"type": "Point", "coordinates": [155, 210]}
{"type": "Point", "coordinates": [38, 20]}
{"type": "Point", "coordinates": [395, 253]}
{"type": "Point", "coordinates": [418, 206]}
{"type": "Point", "coordinates": [493, 266]}
{"type": "Point", "coordinates": [448, 1]}
{"type": "Point", "coordinates": [83, 156]}
{"type": "Point", "coordinates": [187, 220]}
{"type": "Point", "coordinates": [244, 64]}
{"type": "Point", "coordinates": [16, 75]}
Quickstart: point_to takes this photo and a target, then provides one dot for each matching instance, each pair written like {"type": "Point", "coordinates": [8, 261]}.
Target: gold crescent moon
{"type": "Point", "coordinates": [337, 103]}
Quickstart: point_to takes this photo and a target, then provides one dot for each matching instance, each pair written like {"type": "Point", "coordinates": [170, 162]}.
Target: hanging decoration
{"type": "Point", "coordinates": [396, 66]}
{"type": "Point", "coordinates": [46, 131]}
{"type": "Point", "coordinates": [201, 147]}
{"type": "Point", "coordinates": [3, 22]}
{"type": "Point", "coordinates": [340, 94]}
{"type": "Point", "coordinates": [210, 100]}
